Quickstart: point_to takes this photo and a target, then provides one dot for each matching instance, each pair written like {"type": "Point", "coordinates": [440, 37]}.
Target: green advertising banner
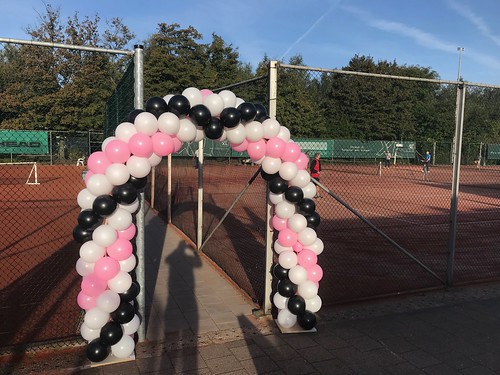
{"type": "Point", "coordinates": [24, 142]}
{"type": "Point", "coordinates": [355, 149]}
{"type": "Point", "coordinates": [493, 151]}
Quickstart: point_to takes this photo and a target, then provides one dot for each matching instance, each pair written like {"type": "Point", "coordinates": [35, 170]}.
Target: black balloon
{"type": "Point", "coordinates": [82, 235]}
{"type": "Point", "coordinates": [125, 194]}
{"type": "Point", "coordinates": [307, 206]}
{"type": "Point", "coordinates": [313, 220]}
{"type": "Point", "coordinates": [104, 205]}
{"type": "Point", "coordinates": [124, 313]}
{"type": "Point", "coordinates": [307, 320]}
{"type": "Point", "coordinates": [179, 105]}
{"type": "Point", "coordinates": [214, 130]}
{"type": "Point", "coordinates": [280, 272]}
{"type": "Point", "coordinates": [294, 194]}
{"type": "Point", "coordinates": [131, 293]}
{"type": "Point", "coordinates": [247, 111]}
{"type": "Point", "coordinates": [268, 177]}
{"type": "Point", "coordinates": [297, 305]}
{"type": "Point", "coordinates": [96, 351]}
{"type": "Point", "coordinates": [286, 288]}
{"type": "Point", "coordinates": [138, 182]}
{"type": "Point", "coordinates": [200, 115]}
{"type": "Point", "coordinates": [260, 112]}
{"type": "Point", "coordinates": [278, 185]}
{"type": "Point", "coordinates": [111, 333]}
{"type": "Point", "coordinates": [156, 105]}
{"type": "Point", "coordinates": [88, 219]}
{"type": "Point", "coordinates": [230, 117]}
{"type": "Point", "coordinates": [133, 114]}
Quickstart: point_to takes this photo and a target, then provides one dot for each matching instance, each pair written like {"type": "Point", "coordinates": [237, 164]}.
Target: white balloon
{"type": "Point", "coordinates": [117, 174]}
{"type": "Point", "coordinates": [271, 165]}
{"type": "Point", "coordinates": [228, 97]}
{"type": "Point", "coordinates": [123, 348]}
{"type": "Point", "coordinates": [106, 141]}
{"type": "Point", "coordinates": [286, 319]}
{"type": "Point", "coordinates": [297, 274]}
{"type": "Point", "coordinates": [309, 190]}
{"type": "Point", "coordinates": [307, 289]}
{"type": "Point", "coordinates": [307, 236]}
{"type": "Point", "coordinates": [200, 134]}
{"type": "Point", "coordinates": [138, 166]}
{"type": "Point", "coordinates": [236, 135]}
{"type": "Point", "coordinates": [95, 318]}
{"type": "Point", "coordinates": [223, 137]}
{"type": "Point", "coordinates": [284, 133]}
{"type": "Point", "coordinates": [193, 95]}
{"type": "Point", "coordinates": [301, 179]}
{"type": "Point", "coordinates": [108, 301]}
{"type": "Point", "coordinates": [91, 252]}
{"type": "Point", "coordinates": [146, 123]}
{"type": "Point", "coordinates": [297, 223]}
{"type": "Point", "coordinates": [131, 327]}
{"type": "Point", "coordinates": [104, 235]}
{"type": "Point", "coordinates": [154, 160]}
{"type": "Point", "coordinates": [284, 209]}
{"type": "Point", "coordinates": [120, 219]}
{"type": "Point", "coordinates": [317, 246]}
{"type": "Point", "coordinates": [121, 282]}
{"type": "Point", "coordinates": [271, 128]}
{"type": "Point", "coordinates": [167, 98]}
{"type": "Point", "coordinates": [214, 103]}
{"type": "Point", "coordinates": [238, 102]}
{"type": "Point", "coordinates": [287, 259]}
{"type": "Point", "coordinates": [84, 268]}
{"type": "Point", "coordinates": [132, 207]}
{"type": "Point", "coordinates": [89, 334]}
{"type": "Point", "coordinates": [254, 131]}
{"type": "Point", "coordinates": [314, 304]}
{"type": "Point", "coordinates": [279, 248]}
{"type": "Point", "coordinates": [85, 199]}
{"type": "Point", "coordinates": [187, 130]}
{"type": "Point", "coordinates": [168, 123]}
{"type": "Point", "coordinates": [280, 301]}
{"type": "Point", "coordinates": [288, 170]}
{"type": "Point", "coordinates": [98, 184]}
{"type": "Point", "coordinates": [128, 265]}
{"type": "Point", "coordinates": [276, 198]}
{"type": "Point", "coordinates": [124, 131]}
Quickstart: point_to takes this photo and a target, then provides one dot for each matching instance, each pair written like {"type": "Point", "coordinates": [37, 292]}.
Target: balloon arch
{"type": "Point", "coordinates": [106, 229]}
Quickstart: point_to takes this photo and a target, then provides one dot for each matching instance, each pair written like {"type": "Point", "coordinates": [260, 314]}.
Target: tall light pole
{"type": "Point", "coordinates": [460, 50]}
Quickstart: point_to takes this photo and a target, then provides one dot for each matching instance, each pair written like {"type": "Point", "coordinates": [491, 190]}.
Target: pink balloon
{"type": "Point", "coordinates": [287, 237]}
{"type": "Point", "coordinates": [291, 153]}
{"type": "Point", "coordinates": [128, 233]}
{"type": "Point", "coordinates": [98, 162]}
{"type": "Point", "coordinates": [240, 147]}
{"type": "Point", "coordinates": [205, 93]}
{"type": "Point", "coordinates": [279, 223]}
{"type": "Point", "coordinates": [177, 144]}
{"type": "Point", "coordinates": [314, 273]}
{"type": "Point", "coordinates": [141, 145]}
{"type": "Point", "coordinates": [117, 151]}
{"type": "Point", "coordinates": [275, 147]}
{"type": "Point", "coordinates": [92, 285]}
{"type": "Point", "coordinates": [307, 258]}
{"type": "Point", "coordinates": [87, 176]}
{"type": "Point", "coordinates": [106, 268]}
{"type": "Point", "coordinates": [256, 150]}
{"type": "Point", "coordinates": [302, 162]}
{"type": "Point", "coordinates": [85, 302]}
{"type": "Point", "coordinates": [121, 249]}
{"type": "Point", "coordinates": [297, 247]}
{"type": "Point", "coordinates": [163, 144]}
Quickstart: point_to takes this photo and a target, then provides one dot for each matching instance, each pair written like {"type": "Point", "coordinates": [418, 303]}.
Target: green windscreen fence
{"type": "Point", "coordinates": [24, 142]}
{"type": "Point", "coordinates": [493, 152]}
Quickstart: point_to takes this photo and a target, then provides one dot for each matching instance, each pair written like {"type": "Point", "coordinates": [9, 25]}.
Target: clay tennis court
{"type": "Point", "coordinates": [39, 283]}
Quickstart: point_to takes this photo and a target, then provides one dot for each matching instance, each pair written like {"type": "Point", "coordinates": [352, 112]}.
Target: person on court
{"type": "Point", "coordinates": [427, 162]}
{"type": "Point", "coordinates": [315, 169]}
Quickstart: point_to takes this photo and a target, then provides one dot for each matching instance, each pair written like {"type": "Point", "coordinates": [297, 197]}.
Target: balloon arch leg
{"type": "Point", "coordinates": [106, 224]}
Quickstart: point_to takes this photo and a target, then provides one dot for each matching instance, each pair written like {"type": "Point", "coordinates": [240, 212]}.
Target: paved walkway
{"type": "Point", "coordinates": [199, 323]}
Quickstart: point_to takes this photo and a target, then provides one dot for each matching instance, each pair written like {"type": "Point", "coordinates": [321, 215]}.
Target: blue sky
{"type": "Point", "coordinates": [327, 33]}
